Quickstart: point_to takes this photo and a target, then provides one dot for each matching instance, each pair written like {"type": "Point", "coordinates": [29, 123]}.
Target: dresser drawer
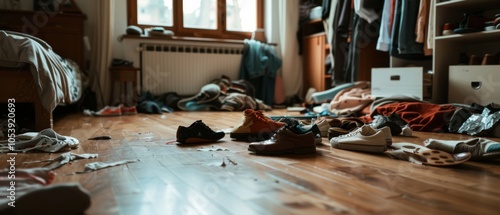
{"type": "Point", "coordinates": [474, 84]}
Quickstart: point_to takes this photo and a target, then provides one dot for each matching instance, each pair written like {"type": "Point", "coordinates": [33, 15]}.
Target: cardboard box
{"type": "Point", "coordinates": [478, 84]}
{"type": "Point", "coordinates": [405, 81]}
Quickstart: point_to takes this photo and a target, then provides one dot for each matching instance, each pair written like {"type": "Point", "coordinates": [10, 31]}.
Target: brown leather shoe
{"type": "Point", "coordinates": [474, 60]}
{"type": "Point", "coordinates": [285, 142]}
{"type": "Point", "coordinates": [489, 60]}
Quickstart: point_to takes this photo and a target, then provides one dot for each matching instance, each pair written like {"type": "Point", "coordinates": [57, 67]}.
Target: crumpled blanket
{"type": "Point", "coordinates": [352, 99]}
{"type": "Point", "coordinates": [57, 80]}
{"type": "Point", "coordinates": [420, 116]}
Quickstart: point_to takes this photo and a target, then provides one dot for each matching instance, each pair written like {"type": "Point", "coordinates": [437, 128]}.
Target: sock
{"type": "Point", "coordinates": [94, 166]}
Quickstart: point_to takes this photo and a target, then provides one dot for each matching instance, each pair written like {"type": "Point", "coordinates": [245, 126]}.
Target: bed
{"type": "Point", "coordinates": [31, 72]}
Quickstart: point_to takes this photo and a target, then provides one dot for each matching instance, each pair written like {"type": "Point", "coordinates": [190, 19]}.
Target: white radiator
{"type": "Point", "coordinates": [185, 68]}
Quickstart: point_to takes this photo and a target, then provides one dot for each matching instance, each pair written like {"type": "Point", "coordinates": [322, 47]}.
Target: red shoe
{"type": "Point", "coordinates": [128, 110]}
{"type": "Point", "coordinates": [109, 111]}
{"type": "Point", "coordinates": [256, 127]}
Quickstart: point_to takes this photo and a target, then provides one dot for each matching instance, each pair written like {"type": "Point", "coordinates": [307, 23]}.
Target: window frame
{"type": "Point", "coordinates": [219, 33]}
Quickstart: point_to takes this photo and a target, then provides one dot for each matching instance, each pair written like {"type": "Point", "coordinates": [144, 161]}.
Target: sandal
{"type": "Point", "coordinates": [419, 154]}
{"type": "Point", "coordinates": [40, 142]}
{"type": "Point", "coordinates": [72, 142]}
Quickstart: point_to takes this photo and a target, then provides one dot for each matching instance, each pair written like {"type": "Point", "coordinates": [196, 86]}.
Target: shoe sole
{"type": "Point", "coordinates": [305, 150]}
{"type": "Point", "coordinates": [362, 148]}
{"type": "Point", "coordinates": [108, 114]}
{"type": "Point", "coordinates": [252, 137]}
{"type": "Point", "coordinates": [198, 140]}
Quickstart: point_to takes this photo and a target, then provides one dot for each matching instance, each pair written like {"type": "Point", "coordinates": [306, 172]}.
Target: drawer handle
{"type": "Point", "coordinates": [476, 85]}
{"type": "Point", "coordinates": [395, 77]}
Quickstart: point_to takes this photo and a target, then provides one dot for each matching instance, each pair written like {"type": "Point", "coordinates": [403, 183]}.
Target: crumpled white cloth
{"type": "Point", "coordinates": [90, 167]}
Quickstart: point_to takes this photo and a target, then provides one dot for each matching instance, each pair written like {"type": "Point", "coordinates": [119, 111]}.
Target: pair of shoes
{"type": "Point", "coordinates": [286, 141]}
{"type": "Point", "coordinates": [131, 110]}
{"type": "Point", "coordinates": [365, 139]}
{"type": "Point", "coordinates": [115, 111]}
{"type": "Point", "coordinates": [489, 59]}
{"type": "Point", "coordinates": [198, 132]}
{"type": "Point", "coordinates": [255, 127]}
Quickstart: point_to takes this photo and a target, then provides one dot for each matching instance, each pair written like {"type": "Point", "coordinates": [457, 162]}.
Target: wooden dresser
{"type": "Point", "coordinates": [64, 32]}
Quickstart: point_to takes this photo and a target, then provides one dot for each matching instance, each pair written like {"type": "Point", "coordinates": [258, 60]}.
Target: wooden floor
{"type": "Point", "coordinates": [182, 179]}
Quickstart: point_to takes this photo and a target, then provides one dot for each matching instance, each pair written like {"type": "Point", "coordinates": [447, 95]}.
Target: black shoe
{"type": "Point", "coordinates": [397, 119]}
{"type": "Point", "coordinates": [198, 132]}
{"type": "Point", "coordinates": [383, 121]}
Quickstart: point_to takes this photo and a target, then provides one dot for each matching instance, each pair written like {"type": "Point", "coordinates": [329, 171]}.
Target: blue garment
{"type": "Point", "coordinates": [407, 38]}
{"type": "Point", "coordinates": [259, 65]}
{"type": "Point", "coordinates": [258, 59]}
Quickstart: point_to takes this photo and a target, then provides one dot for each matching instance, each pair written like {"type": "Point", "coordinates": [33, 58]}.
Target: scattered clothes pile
{"type": "Point", "coordinates": [476, 120]}
{"type": "Point", "coordinates": [224, 94]}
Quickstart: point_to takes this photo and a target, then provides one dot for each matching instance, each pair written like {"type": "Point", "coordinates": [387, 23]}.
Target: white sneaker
{"type": "Point", "coordinates": [323, 126]}
{"type": "Point", "coordinates": [364, 139]}
{"type": "Point", "coordinates": [407, 132]}
{"type": "Point", "coordinates": [386, 130]}
{"type": "Point", "coordinates": [388, 135]}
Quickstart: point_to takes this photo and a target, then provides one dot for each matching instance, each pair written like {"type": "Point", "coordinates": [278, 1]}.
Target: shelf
{"type": "Point", "coordinates": [477, 37]}
{"type": "Point", "coordinates": [470, 5]}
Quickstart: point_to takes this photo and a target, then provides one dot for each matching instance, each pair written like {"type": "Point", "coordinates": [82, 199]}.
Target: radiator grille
{"type": "Point", "coordinates": [185, 68]}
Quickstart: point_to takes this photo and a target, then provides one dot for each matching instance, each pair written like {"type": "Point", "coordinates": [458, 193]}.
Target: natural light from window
{"type": "Point", "coordinates": [155, 12]}
{"type": "Point", "coordinates": [241, 15]}
{"type": "Point", "coordinates": [200, 14]}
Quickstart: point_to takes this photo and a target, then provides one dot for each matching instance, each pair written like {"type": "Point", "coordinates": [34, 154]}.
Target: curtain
{"type": "Point", "coordinates": [101, 51]}
{"type": "Point", "coordinates": [281, 26]}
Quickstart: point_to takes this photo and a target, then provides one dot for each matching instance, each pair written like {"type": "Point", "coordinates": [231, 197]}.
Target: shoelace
{"type": "Point", "coordinates": [350, 134]}
{"type": "Point", "coordinates": [205, 126]}
{"type": "Point", "coordinates": [276, 133]}
{"type": "Point", "coordinates": [262, 117]}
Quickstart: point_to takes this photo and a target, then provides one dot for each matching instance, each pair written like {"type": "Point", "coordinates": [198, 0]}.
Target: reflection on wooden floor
{"type": "Point", "coordinates": [181, 179]}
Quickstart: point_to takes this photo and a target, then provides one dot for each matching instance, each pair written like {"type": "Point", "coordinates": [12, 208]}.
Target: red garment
{"type": "Point", "coordinates": [420, 116]}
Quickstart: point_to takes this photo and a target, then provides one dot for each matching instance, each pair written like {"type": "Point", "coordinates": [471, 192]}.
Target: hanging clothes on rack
{"type": "Point", "coordinates": [364, 31]}
{"type": "Point", "coordinates": [403, 40]}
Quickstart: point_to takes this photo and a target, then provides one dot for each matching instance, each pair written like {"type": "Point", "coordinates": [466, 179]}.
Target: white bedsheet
{"type": "Point", "coordinates": [58, 80]}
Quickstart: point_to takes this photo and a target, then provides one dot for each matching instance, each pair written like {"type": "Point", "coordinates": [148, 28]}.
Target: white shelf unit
{"type": "Point", "coordinates": [448, 48]}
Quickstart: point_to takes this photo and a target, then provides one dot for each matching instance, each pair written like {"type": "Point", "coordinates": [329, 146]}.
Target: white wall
{"type": "Point", "coordinates": [120, 23]}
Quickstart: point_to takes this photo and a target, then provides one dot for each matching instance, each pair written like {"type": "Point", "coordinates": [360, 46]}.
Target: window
{"type": "Point", "coordinates": [225, 19]}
